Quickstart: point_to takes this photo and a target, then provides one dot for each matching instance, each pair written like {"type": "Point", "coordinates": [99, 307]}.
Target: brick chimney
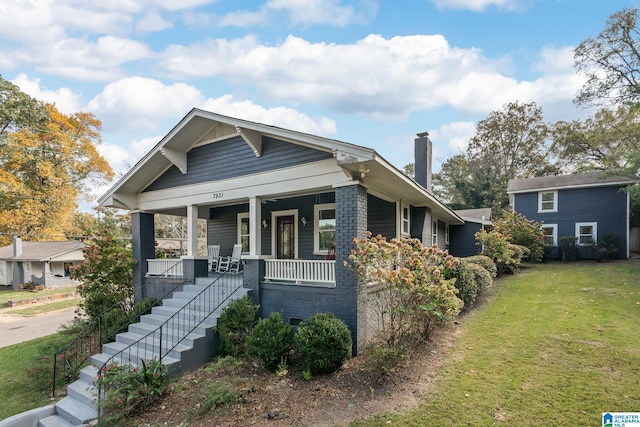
{"type": "Point", "coordinates": [422, 156]}
{"type": "Point", "coordinates": [17, 246]}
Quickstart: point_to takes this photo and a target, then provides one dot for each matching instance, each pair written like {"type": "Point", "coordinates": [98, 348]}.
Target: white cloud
{"type": "Point", "coordinates": [136, 103]}
{"type": "Point", "coordinates": [153, 21]}
{"type": "Point", "coordinates": [384, 78]}
{"type": "Point", "coordinates": [66, 100]}
{"type": "Point", "coordinates": [456, 135]}
{"type": "Point", "coordinates": [277, 116]}
{"type": "Point", "coordinates": [477, 5]}
{"type": "Point", "coordinates": [303, 13]}
{"type": "Point", "coordinates": [139, 102]}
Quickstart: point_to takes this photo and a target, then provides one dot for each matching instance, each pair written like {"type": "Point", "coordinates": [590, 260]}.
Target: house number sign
{"type": "Point", "coordinates": [218, 195]}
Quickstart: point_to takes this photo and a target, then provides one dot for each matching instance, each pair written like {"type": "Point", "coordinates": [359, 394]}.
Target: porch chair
{"type": "Point", "coordinates": [331, 253]}
{"type": "Point", "coordinates": [231, 263]}
{"type": "Point", "coordinates": [213, 255]}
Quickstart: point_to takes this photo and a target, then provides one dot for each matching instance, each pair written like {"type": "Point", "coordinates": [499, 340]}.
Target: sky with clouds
{"type": "Point", "coordinates": [368, 72]}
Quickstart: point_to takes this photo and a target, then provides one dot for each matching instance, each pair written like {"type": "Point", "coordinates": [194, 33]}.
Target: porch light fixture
{"type": "Point", "coordinates": [265, 224]}
{"type": "Point", "coordinates": [303, 220]}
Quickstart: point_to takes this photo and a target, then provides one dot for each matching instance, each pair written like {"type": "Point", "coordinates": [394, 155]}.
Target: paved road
{"type": "Point", "coordinates": [16, 329]}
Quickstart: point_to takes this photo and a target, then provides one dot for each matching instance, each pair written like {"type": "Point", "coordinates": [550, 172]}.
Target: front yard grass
{"type": "Point", "coordinates": [17, 389]}
{"type": "Point", "coordinates": [556, 345]}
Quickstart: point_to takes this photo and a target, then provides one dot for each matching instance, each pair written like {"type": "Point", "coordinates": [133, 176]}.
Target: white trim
{"type": "Point", "coordinates": [239, 235]}
{"type": "Point", "coordinates": [555, 201]}
{"type": "Point", "coordinates": [594, 226]}
{"type": "Point", "coordinates": [283, 181]}
{"type": "Point", "coordinates": [274, 217]}
{"type": "Point", "coordinates": [555, 232]}
{"type": "Point", "coordinates": [405, 206]}
{"type": "Point", "coordinates": [572, 187]}
{"type": "Point", "coordinates": [316, 225]}
{"type": "Point", "coordinates": [434, 231]}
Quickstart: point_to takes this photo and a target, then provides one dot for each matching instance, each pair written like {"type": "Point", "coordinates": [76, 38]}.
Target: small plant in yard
{"type": "Point", "coordinates": [218, 395]}
{"type": "Point", "coordinates": [324, 343]}
{"type": "Point", "coordinates": [125, 389]}
{"type": "Point", "coordinates": [235, 325]}
{"type": "Point", "coordinates": [382, 358]}
{"type": "Point", "coordinates": [271, 341]}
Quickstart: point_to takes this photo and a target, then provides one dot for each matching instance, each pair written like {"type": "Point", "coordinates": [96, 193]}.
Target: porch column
{"type": "Point", "coordinates": [351, 221]}
{"type": "Point", "coordinates": [192, 231]}
{"type": "Point", "coordinates": [142, 240]}
{"type": "Point", "coordinates": [255, 224]}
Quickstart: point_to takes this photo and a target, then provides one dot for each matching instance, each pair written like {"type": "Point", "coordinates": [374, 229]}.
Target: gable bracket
{"type": "Point", "coordinates": [252, 138]}
{"type": "Point", "coordinates": [178, 158]}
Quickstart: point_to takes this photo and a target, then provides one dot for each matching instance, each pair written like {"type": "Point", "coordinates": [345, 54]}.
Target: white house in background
{"type": "Point", "coordinates": [43, 263]}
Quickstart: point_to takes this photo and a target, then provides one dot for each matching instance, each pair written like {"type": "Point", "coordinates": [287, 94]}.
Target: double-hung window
{"type": "Point", "coordinates": [243, 231]}
{"type": "Point", "coordinates": [548, 201]}
{"type": "Point", "coordinates": [587, 233]}
{"type": "Point", "coordinates": [550, 234]}
{"type": "Point", "coordinates": [434, 232]}
{"type": "Point", "coordinates": [324, 227]}
{"type": "Point", "coordinates": [406, 220]}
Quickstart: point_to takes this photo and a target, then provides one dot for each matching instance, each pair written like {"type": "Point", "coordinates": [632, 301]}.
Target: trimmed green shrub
{"type": "Point", "coordinates": [465, 283]}
{"type": "Point", "coordinates": [235, 325]}
{"type": "Point", "coordinates": [608, 246]}
{"type": "Point", "coordinates": [482, 276]}
{"type": "Point", "coordinates": [484, 262]}
{"type": "Point", "coordinates": [519, 253]}
{"type": "Point", "coordinates": [271, 341]}
{"type": "Point", "coordinates": [324, 343]}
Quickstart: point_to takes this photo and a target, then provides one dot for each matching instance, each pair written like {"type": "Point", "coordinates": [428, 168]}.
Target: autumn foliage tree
{"type": "Point", "coordinates": [48, 162]}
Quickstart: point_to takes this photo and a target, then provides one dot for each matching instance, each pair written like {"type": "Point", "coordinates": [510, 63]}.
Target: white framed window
{"type": "Point", "coordinates": [324, 227]}
{"type": "Point", "coordinates": [587, 233]}
{"type": "Point", "coordinates": [550, 234]}
{"type": "Point", "coordinates": [243, 231]}
{"type": "Point", "coordinates": [405, 219]}
{"type": "Point", "coordinates": [548, 201]}
{"type": "Point", "coordinates": [27, 270]}
{"type": "Point", "coordinates": [434, 232]}
{"type": "Point", "coordinates": [446, 233]}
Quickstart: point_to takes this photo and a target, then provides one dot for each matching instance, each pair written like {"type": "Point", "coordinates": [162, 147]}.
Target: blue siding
{"type": "Point", "coordinates": [607, 206]}
{"type": "Point", "coordinates": [462, 240]}
{"type": "Point", "coordinates": [233, 158]}
{"type": "Point", "coordinates": [381, 217]}
{"type": "Point", "coordinates": [222, 225]}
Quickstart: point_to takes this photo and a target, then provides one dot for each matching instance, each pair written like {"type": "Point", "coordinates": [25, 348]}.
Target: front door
{"type": "Point", "coordinates": [285, 237]}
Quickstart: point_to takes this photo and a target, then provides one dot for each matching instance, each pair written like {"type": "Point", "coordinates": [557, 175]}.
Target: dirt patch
{"type": "Point", "coordinates": [266, 399]}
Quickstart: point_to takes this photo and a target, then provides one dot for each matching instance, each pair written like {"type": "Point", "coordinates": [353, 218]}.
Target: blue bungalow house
{"type": "Point", "coordinates": [586, 206]}
{"type": "Point", "coordinates": [292, 200]}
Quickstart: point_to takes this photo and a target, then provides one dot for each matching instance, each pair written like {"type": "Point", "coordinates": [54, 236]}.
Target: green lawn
{"type": "Point", "coordinates": [18, 391]}
{"type": "Point", "coordinates": [557, 345]}
{"type": "Point", "coordinates": [11, 295]}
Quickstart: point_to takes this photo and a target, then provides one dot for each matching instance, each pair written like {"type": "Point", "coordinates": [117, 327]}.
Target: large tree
{"type": "Point", "coordinates": [609, 141]}
{"type": "Point", "coordinates": [611, 62]}
{"type": "Point", "coordinates": [47, 163]}
{"type": "Point", "coordinates": [510, 143]}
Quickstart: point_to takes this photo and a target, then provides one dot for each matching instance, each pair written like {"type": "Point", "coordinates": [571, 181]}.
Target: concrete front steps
{"type": "Point", "coordinates": [79, 406]}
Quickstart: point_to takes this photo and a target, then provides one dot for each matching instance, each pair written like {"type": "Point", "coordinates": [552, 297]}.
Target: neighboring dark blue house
{"type": "Point", "coordinates": [585, 206]}
{"type": "Point", "coordinates": [463, 237]}
{"type": "Point", "coordinates": [289, 198]}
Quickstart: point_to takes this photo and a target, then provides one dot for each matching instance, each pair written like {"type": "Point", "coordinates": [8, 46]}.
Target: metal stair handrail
{"type": "Point", "coordinates": [183, 322]}
{"type": "Point", "coordinates": [79, 350]}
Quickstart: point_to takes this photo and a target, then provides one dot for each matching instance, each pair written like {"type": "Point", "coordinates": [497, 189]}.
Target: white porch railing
{"type": "Point", "coordinates": [164, 267]}
{"type": "Point", "coordinates": [300, 271]}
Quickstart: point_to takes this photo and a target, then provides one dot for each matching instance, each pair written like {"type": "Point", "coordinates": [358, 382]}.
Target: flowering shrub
{"type": "Point", "coordinates": [495, 245]}
{"type": "Point", "coordinates": [125, 389]}
{"type": "Point", "coordinates": [521, 231]}
{"type": "Point", "coordinates": [484, 262]}
{"type": "Point", "coordinates": [403, 282]}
